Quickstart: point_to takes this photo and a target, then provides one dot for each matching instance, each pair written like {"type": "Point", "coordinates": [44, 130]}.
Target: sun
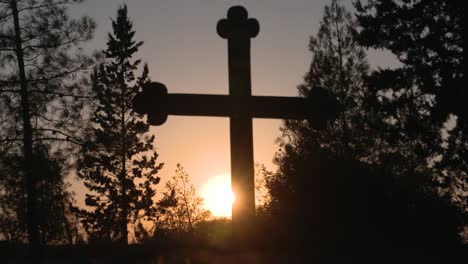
{"type": "Point", "coordinates": [218, 196]}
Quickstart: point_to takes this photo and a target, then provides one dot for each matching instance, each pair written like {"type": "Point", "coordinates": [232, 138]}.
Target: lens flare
{"type": "Point", "coordinates": [218, 196]}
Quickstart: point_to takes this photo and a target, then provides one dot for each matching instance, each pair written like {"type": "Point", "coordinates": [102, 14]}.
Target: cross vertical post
{"type": "Point", "coordinates": [238, 29]}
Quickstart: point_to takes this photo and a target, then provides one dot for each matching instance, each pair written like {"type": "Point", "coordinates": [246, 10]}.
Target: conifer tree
{"type": "Point", "coordinates": [40, 59]}
{"type": "Point", "coordinates": [425, 97]}
{"type": "Point", "coordinates": [338, 65]}
{"type": "Point", "coordinates": [119, 164]}
{"type": "Point", "coordinates": [361, 176]}
{"type": "Point", "coordinates": [56, 222]}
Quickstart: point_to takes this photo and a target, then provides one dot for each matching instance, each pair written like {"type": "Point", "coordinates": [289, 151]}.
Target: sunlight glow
{"type": "Point", "coordinates": [218, 196]}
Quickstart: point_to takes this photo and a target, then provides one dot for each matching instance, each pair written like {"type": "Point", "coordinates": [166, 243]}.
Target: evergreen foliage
{"type": "Point", "coordinates": [57, 223]}
{"type": "Point", "coordinates": [351, 187]}
{"type": "Point", "coordinates": [338, 65]}
{"type": "Point", "coordinates": [41, 94]}
{"type": "Point", "coordinates": [422, 103]}
{"type": "Point", "coordinates": [119, 164]}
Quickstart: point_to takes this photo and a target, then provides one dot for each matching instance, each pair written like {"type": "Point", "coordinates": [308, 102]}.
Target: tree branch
{"type": "Point", "coordinates": [62, 94]}
{"type": "Point", "coordinates": [58, 139]}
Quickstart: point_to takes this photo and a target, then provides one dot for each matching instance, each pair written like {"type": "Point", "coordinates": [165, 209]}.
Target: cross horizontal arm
{"type": "Point", "coordinates": [155, 101]}
{"type": "Point", "coordinates": [225, 105]}
{"type": "Point", "coordinates": [158, 106]}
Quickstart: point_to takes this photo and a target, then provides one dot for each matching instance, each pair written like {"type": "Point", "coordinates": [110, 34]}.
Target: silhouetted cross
{"type": "Point", "coordinates": [240, 106]}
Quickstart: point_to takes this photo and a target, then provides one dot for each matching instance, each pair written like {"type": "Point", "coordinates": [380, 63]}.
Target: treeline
{"type": "Point", "coordinates": [42, 101]}
{"type": "Point", "coordinates": [389, 173]}
{"type": "Point", "coordinates": [65, 112]}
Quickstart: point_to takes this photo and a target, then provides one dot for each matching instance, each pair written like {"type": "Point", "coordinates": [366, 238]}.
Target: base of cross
{"type": "Point", "coordinates": [244, 233]}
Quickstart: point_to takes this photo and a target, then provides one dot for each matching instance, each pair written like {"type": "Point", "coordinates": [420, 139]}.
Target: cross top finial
{"type": "Point", "coordinates": [238, 25]}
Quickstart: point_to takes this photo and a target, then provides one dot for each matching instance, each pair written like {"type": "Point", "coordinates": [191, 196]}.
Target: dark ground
{"type": "Point", "coordinates": [157, 254]}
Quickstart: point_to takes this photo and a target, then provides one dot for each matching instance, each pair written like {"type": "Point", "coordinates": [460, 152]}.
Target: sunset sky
{"type": "Point", "coordinates": [185, 53]}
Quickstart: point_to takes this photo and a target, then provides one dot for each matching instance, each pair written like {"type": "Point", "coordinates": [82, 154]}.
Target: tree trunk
{"type": "Point", "coordinates": [344, 141]}
{"type": "Point", "coordinates": [123, 176]}
{"type": "Point", "coordinates": [187, 208]}
{"type": "Point", "coordinates": [33, 228]}
{"type": "Point", "coordinates": [66, 225]}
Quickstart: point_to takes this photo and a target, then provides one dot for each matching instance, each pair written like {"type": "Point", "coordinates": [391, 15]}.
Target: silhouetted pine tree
{"type": "Point", "coordinates": [423, 103]}
{"type": "Point", "coordinates": [342, 189]}
{"type": "Point", "coordinates": [12, 201]}
{"type": "Point", "coordinates": [119, 165]}
{"type": "Point", "coordinates": [338, 65]}
{"type": "Point", "coordinates": [57, 223]}
{"type": "Point", "coordinates": [40, 60]}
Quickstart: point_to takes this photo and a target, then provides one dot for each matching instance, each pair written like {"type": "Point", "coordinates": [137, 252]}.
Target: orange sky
{"type": "Point", "coordinates": [185, 53]}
